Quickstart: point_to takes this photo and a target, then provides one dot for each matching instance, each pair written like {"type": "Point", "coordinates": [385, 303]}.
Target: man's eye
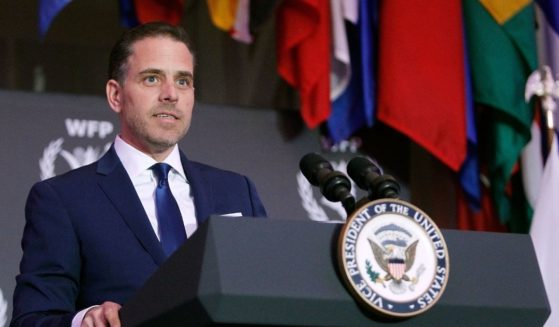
{"type": "Point", "coordinates": [150, 80]}
{"type": "Point", "coordinates": [184, 82]}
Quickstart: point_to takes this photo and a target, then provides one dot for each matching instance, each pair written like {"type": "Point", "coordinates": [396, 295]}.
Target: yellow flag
{"type": "Point", "coordinates": [223, 13]}
{"type": "Point", "coordinates": [502, 10]}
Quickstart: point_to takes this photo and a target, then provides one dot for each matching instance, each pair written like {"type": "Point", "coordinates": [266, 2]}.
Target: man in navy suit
{"type": "Point", "coordinates": [92, 235]}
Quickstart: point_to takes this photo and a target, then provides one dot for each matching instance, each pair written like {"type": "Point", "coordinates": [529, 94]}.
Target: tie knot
{"type": "Point", "coordinates": [161, 170]}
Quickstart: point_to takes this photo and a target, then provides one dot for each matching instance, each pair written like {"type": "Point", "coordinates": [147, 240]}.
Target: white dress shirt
{"type": "Point", "coordinates": [137, 164]}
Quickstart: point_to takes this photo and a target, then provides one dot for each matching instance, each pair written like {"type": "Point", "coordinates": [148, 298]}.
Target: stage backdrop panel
{"type": "Point", "coordinates": [43, 135]}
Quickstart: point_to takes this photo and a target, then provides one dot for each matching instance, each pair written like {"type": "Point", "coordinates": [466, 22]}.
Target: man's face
{"type": "Point", "coordinates": [156, 97]}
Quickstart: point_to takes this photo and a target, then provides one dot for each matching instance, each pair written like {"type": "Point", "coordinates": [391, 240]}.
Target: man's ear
{"type": "Point", "coordinates": [114, 95]}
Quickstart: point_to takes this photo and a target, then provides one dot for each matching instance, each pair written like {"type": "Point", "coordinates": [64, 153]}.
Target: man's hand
{"type": "Point", "coordinates": [104, 315]}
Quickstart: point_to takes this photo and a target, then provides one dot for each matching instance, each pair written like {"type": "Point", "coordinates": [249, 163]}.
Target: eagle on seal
{"type": "Point", "coordinates": [393, 263]}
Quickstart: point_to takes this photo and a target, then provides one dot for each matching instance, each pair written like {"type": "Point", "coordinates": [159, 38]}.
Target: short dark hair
{"type": "Point", "coordinates": [123, 47]}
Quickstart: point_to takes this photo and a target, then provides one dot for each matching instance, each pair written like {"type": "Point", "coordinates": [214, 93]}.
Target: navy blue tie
{"type": "Point", "coordinates": [171, 226]}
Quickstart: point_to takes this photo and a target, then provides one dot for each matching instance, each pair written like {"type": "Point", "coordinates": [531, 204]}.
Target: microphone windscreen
{"type": "Point", "coordinates": [311, 164]}
{"type": "Point", "coordinates": [358, 168]}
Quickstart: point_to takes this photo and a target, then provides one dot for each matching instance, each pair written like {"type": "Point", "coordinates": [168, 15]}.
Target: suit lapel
{"type": "Point", "coordinates": [200, 187]}
{"type": "Point", "coordinates": [119, 189]}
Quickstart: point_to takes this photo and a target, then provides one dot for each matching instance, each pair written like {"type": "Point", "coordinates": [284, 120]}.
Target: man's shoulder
{"type": "Point", "coordinates": [84, 174]}
{"type": "Point", "coordinates": [212, 170]}
{"type": "Point", "coordinates": [75, 176]}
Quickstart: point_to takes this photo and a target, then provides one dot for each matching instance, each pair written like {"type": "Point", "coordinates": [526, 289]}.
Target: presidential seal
{"type": "Point", "coordinates": [393, 258]}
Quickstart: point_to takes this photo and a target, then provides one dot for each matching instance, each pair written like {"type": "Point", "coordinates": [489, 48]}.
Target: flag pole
{"type": "Point", "coordinates": [542, 84]}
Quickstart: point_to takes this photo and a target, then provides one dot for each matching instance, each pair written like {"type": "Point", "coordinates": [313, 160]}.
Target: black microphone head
{"type": "Point", "coordinates": [359, 169]}
{"type": "Point", "coordinates": [312, 166]}
{"type": "Point", "coordinates": [334, 185]}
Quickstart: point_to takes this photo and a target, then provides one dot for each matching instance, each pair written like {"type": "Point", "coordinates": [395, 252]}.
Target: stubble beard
{"type": "Point", "coordinates": [156, 139]}
{"type": "Point", "coordinates": [160, 143]}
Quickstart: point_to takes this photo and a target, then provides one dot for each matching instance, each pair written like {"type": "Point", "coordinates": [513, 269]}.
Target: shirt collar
{"type": "Point", "coordinates": [136, 162]}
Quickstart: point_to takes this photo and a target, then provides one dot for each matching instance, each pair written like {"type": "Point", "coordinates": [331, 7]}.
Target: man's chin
{"type": "Point", "coordinates": [165, 140]}
{"type": "Point", "coordinates": [161, 146]}
{"type": "Point", "coordinates": [164, 143]}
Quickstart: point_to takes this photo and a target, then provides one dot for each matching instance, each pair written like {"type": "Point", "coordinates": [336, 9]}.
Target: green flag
{"type": "Point", "coordinates": [502, 51]}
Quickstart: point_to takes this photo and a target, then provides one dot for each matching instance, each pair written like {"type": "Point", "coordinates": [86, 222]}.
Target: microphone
{"type": "Point", "coordinates": [334, 185]}
{"type": "Point", "coordinates": [368, 177]}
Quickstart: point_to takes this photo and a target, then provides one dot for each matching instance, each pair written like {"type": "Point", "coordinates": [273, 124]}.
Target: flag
{"type": "Point", "coordinates": [48, 9]}
{"type": "Point", "coordinates": [501, 49]}
{"type": "Point", "coordinates": [469, 174]}
{"type": "Point", "coordinates": [547, 14]}
{"type": "Point", "coordinates": [483, 219]}
{"type": "Point", "coordinates": [169, 11]}
{"type": "Point", "coordinates": [532, 161]}
{"type": "Point", "coordinates": [354, 108]}
{"type": "Point", "coordinates": [421, 75]}
{"type": "Point", "coordinates": [232, 17]}
{"type": "Point", "coordinates": [340, 65]}
{"type": "Point", "coordinates": [547, 36]}
{"type": "Point", "coordinates": [127, 15]}
{"type": "Point", "coordinates": [544, 229]}
{"type": "Point", "coordinates": [546, 182]}
{"type": "Point", "coordinates": [223, 12]}
{"type": "Point", "coordinates": [241, 26]}
{"type": "Point", "coordinates": [303, 48]}
{"type": "Point", "coordinates": [136, 12]}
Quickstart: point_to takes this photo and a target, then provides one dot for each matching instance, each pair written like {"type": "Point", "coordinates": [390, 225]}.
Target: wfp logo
{"type": "Point", "coordinates": [3, 310]}
{"type": "Point", "coordinates": [80, 155]}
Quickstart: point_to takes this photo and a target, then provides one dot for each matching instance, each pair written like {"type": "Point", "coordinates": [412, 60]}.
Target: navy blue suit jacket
{"type": "Point", "coordinates": [87, 238]}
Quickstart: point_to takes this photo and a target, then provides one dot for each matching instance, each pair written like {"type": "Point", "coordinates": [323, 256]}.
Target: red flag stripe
{"type": "Point", "coordinates": [169, 11]}
{"type": "Point", "coordinates": [303, 54]}
{"type": "Point", "coordinates": [421, 75]}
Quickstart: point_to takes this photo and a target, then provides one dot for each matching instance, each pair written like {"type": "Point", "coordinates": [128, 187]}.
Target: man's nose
{"type": "Point", "coordinates": [168, 92]}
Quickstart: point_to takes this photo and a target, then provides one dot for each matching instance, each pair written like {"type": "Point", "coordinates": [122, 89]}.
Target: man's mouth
{"type": "Point", "coordinates": [164, 115]}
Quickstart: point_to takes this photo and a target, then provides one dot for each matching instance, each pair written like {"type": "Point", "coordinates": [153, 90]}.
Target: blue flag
{"type": "Point", "coordinates": [48, 9]}
{"type": "Point", "coordinates": [354, 108]}
{"type": "Point", "coordinates": [469, 172]}
{"type": "Point", "coordinates": [128, 17]}
{"type": "Point", "coordinates": [548, 34]}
